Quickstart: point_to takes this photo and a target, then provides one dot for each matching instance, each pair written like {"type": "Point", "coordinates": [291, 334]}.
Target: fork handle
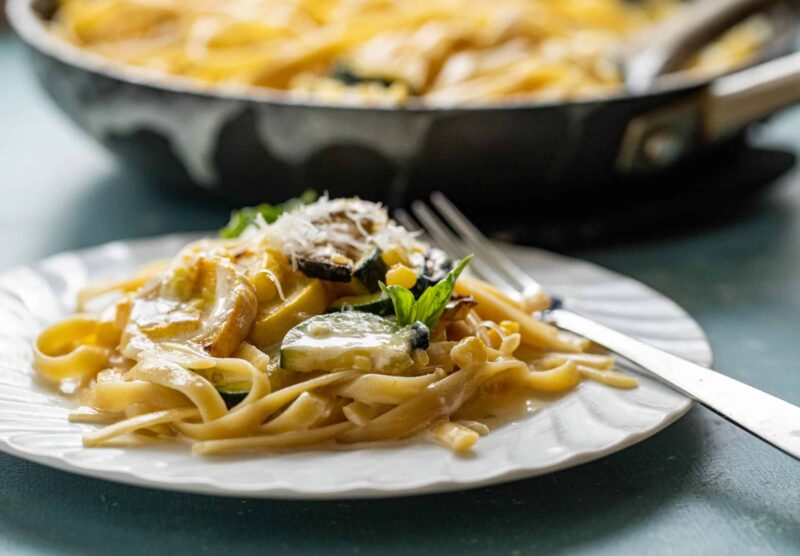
{"type": "Point", "coordinates": [767, 417]}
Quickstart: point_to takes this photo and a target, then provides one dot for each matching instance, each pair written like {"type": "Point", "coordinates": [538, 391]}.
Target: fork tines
{"type": "Point", "coordinates": [447, 227]}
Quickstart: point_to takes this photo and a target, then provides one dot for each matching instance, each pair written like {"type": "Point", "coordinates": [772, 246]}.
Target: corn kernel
{"type": "Point", "coordinates": [469, 351]}
{"type": "Point", "coordinates": [401, 275]}
{"type": "Point", "coordinates": [391, 257]}
{"type": "Point", "coordinates": [493, 337]}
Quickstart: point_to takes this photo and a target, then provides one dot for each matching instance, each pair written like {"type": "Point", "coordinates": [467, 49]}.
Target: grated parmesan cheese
{"type": "Point", "coordinates": [329, 225]}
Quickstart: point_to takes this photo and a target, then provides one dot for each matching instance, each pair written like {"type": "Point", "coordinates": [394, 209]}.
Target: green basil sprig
{"type": "Point", "coordinates": [430, 305]}
{"type": "Point", "coordinates": [244, 217]}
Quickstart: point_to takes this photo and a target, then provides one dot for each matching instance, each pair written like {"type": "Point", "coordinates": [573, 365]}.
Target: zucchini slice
{"type": "Point", "coordinates": [343, 243]}
{"type": "Point", "coordinates": [352, 340]}
{"type": "Point", "coordinates": [432, 270]}
{"type": "Point", "coordinates": [347, 75]}
{"type": "Point", "coordinates": [315, 266]}
{"type": "Point", "coordinates": [233, 393]}
{"type": "Point", "coordinates": [371, 269]}
{"type": "Point", "coordinates": [376, 303]}
{"type": "Point", "coordinates": [420, 336]}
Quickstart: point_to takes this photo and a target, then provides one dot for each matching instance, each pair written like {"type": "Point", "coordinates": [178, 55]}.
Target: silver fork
{"type": "Point", "coordinates": [773, 420]}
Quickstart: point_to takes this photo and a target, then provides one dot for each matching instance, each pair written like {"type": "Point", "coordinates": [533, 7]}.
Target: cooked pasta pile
{"type": "Point", "coordinates": [387, 51]}
{"type": "Point", "coordinates": [306, 324]}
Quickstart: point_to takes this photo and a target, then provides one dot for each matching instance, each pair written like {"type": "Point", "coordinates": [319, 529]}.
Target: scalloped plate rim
{"type": "Point", "coordinates": [364, 488]}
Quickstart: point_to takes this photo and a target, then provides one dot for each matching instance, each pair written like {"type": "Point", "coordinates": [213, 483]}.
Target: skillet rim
{"type": "Point", "coordinates": [24, 18]}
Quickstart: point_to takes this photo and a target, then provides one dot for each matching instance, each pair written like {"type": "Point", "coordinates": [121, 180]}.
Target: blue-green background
{"type": "Point", "coordinates": [699, 487]}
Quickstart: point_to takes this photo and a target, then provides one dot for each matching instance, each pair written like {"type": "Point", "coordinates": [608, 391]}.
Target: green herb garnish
{"type": "Point", "coordinates": [244, 217]}
{"type": "Point", "coordinates": [345, 74]}
{"type": "Point", "coordinates": [430, 305]}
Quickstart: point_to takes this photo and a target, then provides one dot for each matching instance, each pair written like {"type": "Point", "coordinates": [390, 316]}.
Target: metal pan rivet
{"type": "Point", "coordinates": [663, 148]}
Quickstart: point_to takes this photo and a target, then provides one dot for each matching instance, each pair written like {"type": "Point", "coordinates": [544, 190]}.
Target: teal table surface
{"type": "Point", "coordinates": [701, 486]}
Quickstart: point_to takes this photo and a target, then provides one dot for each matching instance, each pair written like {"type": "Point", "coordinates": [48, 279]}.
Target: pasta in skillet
{"type": "Point", "coordinates": [387, 51]}
{"type": "Point", "coordinates": [305, 323]}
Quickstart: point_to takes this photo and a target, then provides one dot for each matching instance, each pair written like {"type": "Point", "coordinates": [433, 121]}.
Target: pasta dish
{"type": "Point", "coordinates": [387, 51]}
{"type": "Point", "coordinates": [310, 322]}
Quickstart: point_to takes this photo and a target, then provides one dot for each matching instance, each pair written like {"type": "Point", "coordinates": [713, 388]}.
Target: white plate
{"type": "Point", "coordinates": [589, 423]}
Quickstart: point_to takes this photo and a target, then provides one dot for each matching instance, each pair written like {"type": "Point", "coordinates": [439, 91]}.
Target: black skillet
{"type": "Point", "coordinates": [256, 146]}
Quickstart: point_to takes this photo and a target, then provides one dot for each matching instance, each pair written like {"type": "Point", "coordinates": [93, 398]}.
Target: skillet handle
{"type": "Point", "coordinates": [660, 138]}
{"type": "Point", "coordinates": [738, 99]}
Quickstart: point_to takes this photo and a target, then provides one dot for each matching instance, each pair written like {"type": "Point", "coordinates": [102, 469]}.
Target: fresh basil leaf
{"type": "Point", "coordinates": [431, 304]}
{"type": "Point", "coordinates": [403, 301]}
{"type": "Point", "coordinates": [309, 196]}
{"type": "Point", "coordinates": [240, 219]}
{"type": "Point", "coordinates": [244, 217]}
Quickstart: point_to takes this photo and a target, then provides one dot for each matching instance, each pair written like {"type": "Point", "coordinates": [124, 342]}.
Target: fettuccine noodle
{"type": "Point", "coordinates": [197, 351]}
{"type": "Point", "coordinates": [387, 51]}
